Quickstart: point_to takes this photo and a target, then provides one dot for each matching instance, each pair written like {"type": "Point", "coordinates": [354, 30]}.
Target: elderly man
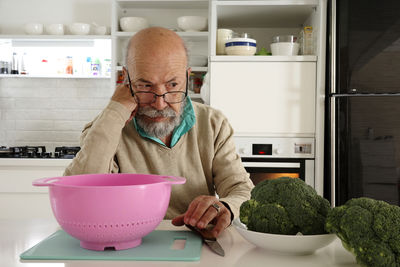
{"type": "Point", "coordinates": [151, 126]}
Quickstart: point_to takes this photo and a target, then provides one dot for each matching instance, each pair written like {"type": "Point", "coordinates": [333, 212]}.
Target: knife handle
{"type": "Point", "coordinates": [204, 233]}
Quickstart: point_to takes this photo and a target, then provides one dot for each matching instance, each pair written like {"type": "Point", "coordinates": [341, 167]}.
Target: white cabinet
{"type": "Point", "coordinates": [266, 98]}
{"type": "Point", "coordinates": [18, 198]}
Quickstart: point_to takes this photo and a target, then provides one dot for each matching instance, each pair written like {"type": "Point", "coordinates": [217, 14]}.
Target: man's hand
{"type": "Point", "coordinates": [122, 94]}
{"type": "Point", "coordinates": [201, 212]}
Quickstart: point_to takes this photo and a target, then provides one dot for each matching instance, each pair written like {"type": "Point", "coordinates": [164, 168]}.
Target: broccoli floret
{"type": "Point", "coordinates": [304, 210]}
{"type": "Point", "coordinates": [369, 229]}
{"type": "Point", "coordinates": [271, 218]}
{"type": "Point", "coordinates": [245, 210]}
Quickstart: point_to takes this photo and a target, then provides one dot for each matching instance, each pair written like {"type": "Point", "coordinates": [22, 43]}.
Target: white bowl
{"type": "Point", "coordinates": [101, 30]}
{"type": "Point", "coordinates": [285, 49]}
{"type": "Point", "coordinates": [192, 23]}
{"type": "Point", "coordinates": [241, 47]}
{"type": "Point", "coordinates": [34, 28]}
{"type": "Point", "coordinates": [198, 61]}
{"type": "Point", "coordinates": [133, 24]}
{"type": "Point", "coordinates": [284, 244]}
{"type": "Point", "coordinates": [55, 29]}
{"type": "Point", "coordinates": [79, 28]}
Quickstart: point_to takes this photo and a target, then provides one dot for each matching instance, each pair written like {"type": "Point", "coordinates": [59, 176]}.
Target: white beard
{"type": "Point", "coordinates": [159, 129]}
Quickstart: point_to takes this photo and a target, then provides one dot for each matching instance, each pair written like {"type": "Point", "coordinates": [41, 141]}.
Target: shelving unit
{"type": "Point", "coordinates": [158, 13]}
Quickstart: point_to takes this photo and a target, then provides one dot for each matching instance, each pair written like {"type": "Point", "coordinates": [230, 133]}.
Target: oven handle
{"type": "Point", "coordinates": [272, 164]}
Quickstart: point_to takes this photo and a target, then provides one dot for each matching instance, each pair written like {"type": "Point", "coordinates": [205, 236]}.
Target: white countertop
{"type": "Point", "coordinates": [28, 162]}
{"type": "Point", "coordinates": [19, 235]}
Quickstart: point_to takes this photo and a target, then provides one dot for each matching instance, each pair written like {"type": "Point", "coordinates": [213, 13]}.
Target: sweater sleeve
{"type": "Point", "coordinates": [99, 142]}
{"type": "Point", "coordinates": [232, 182]}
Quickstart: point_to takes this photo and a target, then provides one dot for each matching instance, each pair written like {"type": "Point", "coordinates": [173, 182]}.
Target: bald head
{"type": "Point", "coordinates": [155, 43]}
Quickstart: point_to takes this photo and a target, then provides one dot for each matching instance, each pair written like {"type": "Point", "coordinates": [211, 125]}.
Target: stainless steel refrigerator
{"type": "Point", "coordinates": [363, 107]}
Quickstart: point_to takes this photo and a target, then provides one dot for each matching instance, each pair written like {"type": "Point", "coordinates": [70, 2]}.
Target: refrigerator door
{"type": "Point", "coordinates": [368, 46]}
{"type": "Point", "coordinates": [367, 148]}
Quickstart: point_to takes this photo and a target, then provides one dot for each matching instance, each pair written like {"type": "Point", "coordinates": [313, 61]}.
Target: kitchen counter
{"type": "Point", "coordinates": [19, 235]}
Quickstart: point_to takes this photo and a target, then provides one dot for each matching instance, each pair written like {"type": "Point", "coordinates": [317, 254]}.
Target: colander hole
{"type": "Point", "coordinates": [116, 225]}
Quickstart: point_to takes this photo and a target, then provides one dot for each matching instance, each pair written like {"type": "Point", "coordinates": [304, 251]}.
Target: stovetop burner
{"type": "Point", "coordinates": [63, 152]}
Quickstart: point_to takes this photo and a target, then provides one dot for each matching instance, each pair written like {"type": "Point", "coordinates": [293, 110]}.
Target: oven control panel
{"type": "Point", "coordinates": [274, 147]}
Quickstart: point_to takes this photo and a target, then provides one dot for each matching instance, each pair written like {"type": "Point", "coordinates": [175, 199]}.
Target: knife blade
{"type": "Point", "coordinates": [209, 239]}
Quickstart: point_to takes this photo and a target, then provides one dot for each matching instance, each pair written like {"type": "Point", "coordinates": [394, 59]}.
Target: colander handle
{"type": "Point", "coordinates": [45, 181]}
{"type": "Point", "coordinates": [174, 179]}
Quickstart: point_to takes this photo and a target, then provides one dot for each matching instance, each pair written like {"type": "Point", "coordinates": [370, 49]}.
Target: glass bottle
{"type": "Point", "coordinates": [69, 69]}
{"type": "Point", "coordinates": [307, 41]}
{"type": "Point", "coordinates": [14, 65]}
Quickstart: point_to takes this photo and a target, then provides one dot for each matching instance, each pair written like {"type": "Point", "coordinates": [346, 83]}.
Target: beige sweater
{"type": "Point", "coordinates": [205, 156]}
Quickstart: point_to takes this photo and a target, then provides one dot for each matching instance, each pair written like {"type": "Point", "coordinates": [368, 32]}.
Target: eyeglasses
{"type": "Point", "coordinates": [147, 97]}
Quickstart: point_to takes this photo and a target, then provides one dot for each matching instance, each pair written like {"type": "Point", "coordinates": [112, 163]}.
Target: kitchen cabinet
{"type": "Point", "coordinates": [164, 14]}
{"type": "Point", "coordinates": [271, 96]}
{"type": "Point", "coordinates": [287, 88]}
{"type": "Point", "coordinates": [18, 198]}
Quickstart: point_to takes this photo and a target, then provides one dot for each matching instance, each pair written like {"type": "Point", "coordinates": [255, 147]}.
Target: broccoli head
{"type": "Point", "coordinates": [285, 206]}
{"type": "Point", "coordinates": [369, 229]}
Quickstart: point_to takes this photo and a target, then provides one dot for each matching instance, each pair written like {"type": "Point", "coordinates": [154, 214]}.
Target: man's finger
{"type": "Point", "coordinates": [223, 221]}
{"type": "Point", "coordinates": [207, 217]}
{"type": "Point", "coordinates": [178, 220]}
{"type": "Point", "coordinates": [201, 209]}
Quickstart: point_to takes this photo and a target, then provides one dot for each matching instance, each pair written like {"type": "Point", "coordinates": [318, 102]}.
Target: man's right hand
{"type": "Point", "coordinates": [123, 95]}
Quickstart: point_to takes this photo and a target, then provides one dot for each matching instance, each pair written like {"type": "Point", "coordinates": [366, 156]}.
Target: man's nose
{"type": "Point", "coordinates": [159, 104]}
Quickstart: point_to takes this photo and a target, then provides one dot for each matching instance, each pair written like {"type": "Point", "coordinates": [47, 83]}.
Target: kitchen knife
{"type": "Point", "coordinates": [209, 239]}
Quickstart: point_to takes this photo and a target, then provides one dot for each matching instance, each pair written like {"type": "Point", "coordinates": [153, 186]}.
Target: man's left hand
{"type": "Point", "coordinates": [201, 212]}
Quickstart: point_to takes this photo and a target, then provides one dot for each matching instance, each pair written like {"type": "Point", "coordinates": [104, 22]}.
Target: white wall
{"type": "Point", "coordinates": [50, 112]}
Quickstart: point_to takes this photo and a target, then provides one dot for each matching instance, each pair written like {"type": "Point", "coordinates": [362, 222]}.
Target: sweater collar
{"type": "Point", "coordinates": [187, 122]}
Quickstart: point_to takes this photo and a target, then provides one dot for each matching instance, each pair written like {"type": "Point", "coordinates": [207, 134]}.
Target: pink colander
{"type": "Point", "coordinates": [109, 210]}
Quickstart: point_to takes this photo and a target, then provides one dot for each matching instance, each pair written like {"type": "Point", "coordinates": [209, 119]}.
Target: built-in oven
{"type": "Point", "coordinates": [271, 158]}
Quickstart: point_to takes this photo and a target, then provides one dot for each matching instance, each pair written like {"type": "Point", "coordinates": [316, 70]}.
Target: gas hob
{"type": "Point", "coordinates": [63, 152]}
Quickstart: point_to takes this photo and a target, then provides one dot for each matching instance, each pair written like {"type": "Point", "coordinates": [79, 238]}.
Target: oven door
{"type": "Point", "coordinates": [271, 168]}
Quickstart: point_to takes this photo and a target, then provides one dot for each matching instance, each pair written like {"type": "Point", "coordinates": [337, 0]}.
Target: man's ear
{"type": "Point", "coordinates": [125, 74]}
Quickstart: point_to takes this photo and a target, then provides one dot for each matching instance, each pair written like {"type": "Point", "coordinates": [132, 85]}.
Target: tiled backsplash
{"type": "Point", "coordinates": [50, 112]}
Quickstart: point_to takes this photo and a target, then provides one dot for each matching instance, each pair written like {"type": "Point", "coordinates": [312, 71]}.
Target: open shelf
{"type": "Point", "coordinates": [68, 76]}
{"type": "Point", "coordinates": [53, 37]}
{"type": "Point", "coordinates": [264, 58]}
{"type": "Point", "coordinates": [169, 4]}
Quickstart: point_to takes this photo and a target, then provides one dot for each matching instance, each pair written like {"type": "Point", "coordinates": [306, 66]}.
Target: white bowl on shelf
{"type": "Point", "coordinates": [79, 28]}
{"type": "Point", "coordinates": [285, 49]}
{"type": "Point", "coordinates": [192, 23]}
{"type": "Point", "coordinates": [241, 47]}
{"type": "Point", "coordinates": [101, 30]}
{"type": "Point", "coordinates": [33, 28]}
{"type": "Point", "coordinates": [133, 24]}
{"type": "Point", "coordinates": [284, 244]}
{"type": "Point", "coordinates": [55, 29]}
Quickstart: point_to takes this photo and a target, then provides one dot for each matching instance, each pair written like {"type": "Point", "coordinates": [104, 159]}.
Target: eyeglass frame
{"type": "Point", "coordinates": [157, 95]}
